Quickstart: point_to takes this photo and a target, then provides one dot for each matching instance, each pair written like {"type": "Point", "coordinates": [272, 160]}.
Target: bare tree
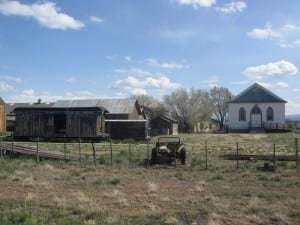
{"type": "Point", "coordinates": [190, 106]}
{"type": "Point", "coordinates": [178, 103]}
{"type": "Point", "coordinates": [219, 98]}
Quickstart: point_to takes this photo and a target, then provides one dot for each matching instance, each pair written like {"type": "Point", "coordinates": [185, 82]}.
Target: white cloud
{"type": "Point", "coordinates": [10, 79]}
{"type": "Point", "coordinates": [233, 7]}
{"type": "Point", "coordinates": [71, 80]}
{"type": "Point", "coordinates": [282, 84]}
{"type": "Point", "coordinates": [264, 33]}
{"type": "Point", "coordinates": [31, 96]}
{"type": "Point", "coordinates": [134, 71]}
{"type": "Point", "coordinates": [134, 85]}
{"type": "Point", "coordinates": [5, 87]}
{"type": "Point", "coordinates": [211, 81]}
{"type": "Point", "coordinates": [168, 65]}
{"type": "Point", "coordinates": [138, 91]}
{"type": "Point", "coordinates": [296, 89]}
{"type": "Point", "coordinates": [28, 92]}
{"type": "Point", "coordinates": [128, 58]}
{"type": "Point", "coordinates": [196, 3]}
{"type": "Point", "coordinates": [47, 14]}
{"type": "Point", "coordinates": [96, 19]}
{"type": "Point", "coordinates": [287, 36]}
{"type": "Point", "coordinates": [273, 69]}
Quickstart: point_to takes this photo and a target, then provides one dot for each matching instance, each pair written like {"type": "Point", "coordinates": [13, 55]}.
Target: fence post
{"type": "Point", "coordinates": [37, 151]}
{"type": "Point", "coordinates": [148, 160]}
{"type": "Point", "coordinates": [12, 149]}
{"type": "Point", "coordinates": [129, 152]}
{"type": "Point", "coordinates": [79, 149]}
{"type": "Point", "coordinates": [65, 149]}
{"type": "Point", "coordinates": [297, 153]}
{"type": "Point", "coordinates": [94, 153]}
{"type": "Point", "coordinates": [274, 157]}
{"type": "Point", "coordinates": [111, 155]}
{"type": "Point", "coordinates": [237, 156]}
{"type": "Point", "coordinates": [206, 160]}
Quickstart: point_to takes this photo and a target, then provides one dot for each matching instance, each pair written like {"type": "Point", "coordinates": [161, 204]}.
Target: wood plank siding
{"type": "Point", "coordinates": [52, 122]}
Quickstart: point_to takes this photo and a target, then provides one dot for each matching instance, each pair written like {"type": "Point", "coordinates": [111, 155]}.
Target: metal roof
{"type": "Point", "coordinates": [10, 107]}
{"type": "Point", "coordinates": [114, 106]}
{"type": "Point", "coordinates": [256, 94]}
{"type": "Point", "coordinates": [59, 109]}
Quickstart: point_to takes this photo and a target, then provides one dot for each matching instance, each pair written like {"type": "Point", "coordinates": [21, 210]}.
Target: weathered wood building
{"type": "Point", "coordinates": [120, 118]}
{"type": "Point", "coordinates": [124, 118]}
{"type": "Point", "coordinates": [164, 125]}
{"type": "Point", "coordinates": [11, 117]}
{"type": "Point", "coordinates": [81, 122]}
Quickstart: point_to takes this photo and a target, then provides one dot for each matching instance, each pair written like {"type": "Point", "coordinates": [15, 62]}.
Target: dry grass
{"type": "Point", "coordinates": [52, 192]}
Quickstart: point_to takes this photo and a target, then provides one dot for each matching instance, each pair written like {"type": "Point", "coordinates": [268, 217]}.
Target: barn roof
{"type": "Point", "coordinates": [58, 109]}
{"type": "Point", "coordinates": [114, 106]}
{"type": "Point", "coordinates": [255, 94]}
{"type": "Point", "coordinates": [10, 107]}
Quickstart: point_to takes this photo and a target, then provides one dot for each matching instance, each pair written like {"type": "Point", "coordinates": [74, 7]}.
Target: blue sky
{"type": "Point", "coordinates": [61, 49]}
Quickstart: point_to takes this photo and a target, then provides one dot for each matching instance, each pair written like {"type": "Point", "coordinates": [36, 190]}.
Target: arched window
{"type": "Point", "coordinates": [270, 114]}
{"type": "Point", "coordinates": [242, 114]}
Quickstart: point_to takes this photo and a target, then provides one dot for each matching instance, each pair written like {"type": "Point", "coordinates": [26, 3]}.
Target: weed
{"type": "Point", "coordinates": [74, 173]}
{"type": "Point", "coordinates": [115, 180]}
{"type": "Point", "coordinates": [98, 181]}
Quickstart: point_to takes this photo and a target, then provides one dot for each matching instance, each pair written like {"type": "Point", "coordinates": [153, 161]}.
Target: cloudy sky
{"type": "Point", "coordinates": [61, 49]}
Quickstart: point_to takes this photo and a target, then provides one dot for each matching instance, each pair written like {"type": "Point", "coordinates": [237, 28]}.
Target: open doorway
{"type": "Point", "coordinates": [60, 123]}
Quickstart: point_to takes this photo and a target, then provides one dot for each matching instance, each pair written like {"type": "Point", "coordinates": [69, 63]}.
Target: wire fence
{"type": "Point", "coordinates": [205, 154]}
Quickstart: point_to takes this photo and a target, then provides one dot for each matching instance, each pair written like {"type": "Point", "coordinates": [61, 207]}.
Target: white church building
{"type": "Point", "coordinates": [254, 107]}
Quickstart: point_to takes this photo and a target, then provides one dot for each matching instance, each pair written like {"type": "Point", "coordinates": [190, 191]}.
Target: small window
{"type": "Point", "coordinates": [242, 114]}
{"type": "Point", "coordinates": [270, 114]}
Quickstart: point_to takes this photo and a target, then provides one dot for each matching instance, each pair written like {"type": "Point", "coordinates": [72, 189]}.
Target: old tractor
{"type": "Point", "coordinates": [168, 150]}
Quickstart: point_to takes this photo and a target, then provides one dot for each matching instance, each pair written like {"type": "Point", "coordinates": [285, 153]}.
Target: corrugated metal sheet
{"type": "Point", "coordinates": [116, 106]}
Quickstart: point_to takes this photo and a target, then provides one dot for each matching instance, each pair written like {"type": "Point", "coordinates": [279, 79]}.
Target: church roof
{"type": "Point", "coordinates": [256, 94]}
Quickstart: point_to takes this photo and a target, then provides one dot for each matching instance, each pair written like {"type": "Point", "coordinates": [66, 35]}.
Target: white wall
{"type": "Point", "coordinates": [233, 113]}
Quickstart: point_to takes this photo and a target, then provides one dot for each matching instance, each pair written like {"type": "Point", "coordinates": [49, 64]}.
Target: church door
{"type": "Point", "coordinates": [256, 117]}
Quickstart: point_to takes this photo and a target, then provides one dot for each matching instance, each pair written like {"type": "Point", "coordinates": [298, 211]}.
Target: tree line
{"type": "Point", "coordinates": [190, 106]}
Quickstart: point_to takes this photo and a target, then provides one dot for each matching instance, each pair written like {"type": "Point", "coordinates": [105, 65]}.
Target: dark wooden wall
{"type": "Point", "coordinates": [77, 125]}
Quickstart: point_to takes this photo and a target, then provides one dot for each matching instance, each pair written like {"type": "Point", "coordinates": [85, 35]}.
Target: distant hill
{"type": "Point", "coordinates": [295, 117]}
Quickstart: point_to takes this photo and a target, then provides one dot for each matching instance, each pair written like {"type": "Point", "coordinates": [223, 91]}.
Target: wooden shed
{"type": "Point", "coordinates": [164, 125]}
{"type": "Point", "coordinates": [52, 122]}
{"type": "Point", "coordinates": [124, 118]}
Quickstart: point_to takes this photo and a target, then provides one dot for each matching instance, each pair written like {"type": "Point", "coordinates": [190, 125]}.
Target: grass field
{"type": "Point", "coordinates": [57, 192]}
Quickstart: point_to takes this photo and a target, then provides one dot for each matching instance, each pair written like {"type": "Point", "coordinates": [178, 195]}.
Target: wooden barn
{"type": "Point", "coordinates": [120, 118]}
{"type": "Point", "coordinates": [164, 125]}
{"type": "Point", "coordinates": [11, 117]}
{"type": "Point", "coordinates": [51, 122]}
